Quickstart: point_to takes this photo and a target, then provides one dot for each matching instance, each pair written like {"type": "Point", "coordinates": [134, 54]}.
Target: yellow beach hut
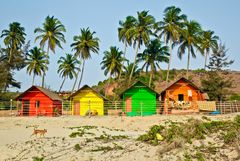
{"type": "Point", "coordinates": [87, 100]}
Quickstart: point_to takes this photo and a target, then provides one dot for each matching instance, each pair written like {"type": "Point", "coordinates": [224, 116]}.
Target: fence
{"type": "Point", "coordinates": [16, 108]}
{"type": "Point", "coordinates": [228, 107]}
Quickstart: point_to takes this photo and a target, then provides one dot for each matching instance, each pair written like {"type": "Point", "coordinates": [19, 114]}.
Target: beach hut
{"type": "Point", "coordinates": [139, 100]}
{"type": "Point", "coordinates": [183, 90]}
{"type": "Point", "coordinates": [182, 96]}
{"type": "Point", "coordinates": [87, 100]}
{"type": "Point", "coordinates": [39, 101]}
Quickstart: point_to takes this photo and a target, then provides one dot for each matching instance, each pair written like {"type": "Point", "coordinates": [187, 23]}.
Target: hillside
{"type": "Point", "coordinates": [194, 75]}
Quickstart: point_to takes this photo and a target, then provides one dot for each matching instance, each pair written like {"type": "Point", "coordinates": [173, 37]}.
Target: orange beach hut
{"type": "Point", "coordinates": [183, 93]}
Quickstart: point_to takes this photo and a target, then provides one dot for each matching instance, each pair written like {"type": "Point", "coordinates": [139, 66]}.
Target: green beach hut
{"type": "Point", "coordinates": [139, 100]}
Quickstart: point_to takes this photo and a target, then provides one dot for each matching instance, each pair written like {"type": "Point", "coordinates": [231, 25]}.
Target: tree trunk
{"type": "Point", "coordinates": [10, 56]}
{"type": "Point", "coordinates": [33, 78]}
{"type": "Point", "coordinates": [170, 59]}
{"type": "Point", "coordinates": [75, 82]}
{"type": "Point", "coordinates": [150, 79]}
{"type": "Point", "coordinates": [108, 83]}
{"type": "Point", "coordinates": [81, 74]}
{"type": "Point", "coordinates": [44, 73]}
{"type": "Point", "coordinates": [62, 84]}
{"type": "Point", "coordinates": [188, 61]}
{"type": "Point", "coordinates": [134, 64]}
{"type": "Point", "coordinates": [206, 56]}
{"type": "Point", "coordinates": [124, 56]}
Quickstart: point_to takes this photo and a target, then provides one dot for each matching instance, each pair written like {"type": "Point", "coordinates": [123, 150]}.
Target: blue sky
{"type": "Point", "coordinates": [103, 17]}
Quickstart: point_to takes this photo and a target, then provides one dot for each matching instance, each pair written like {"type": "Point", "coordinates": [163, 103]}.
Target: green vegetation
{"type": "Point", "coordinates": [82, 130]}
{"type": "Point", "coordinates": [182, 135]}
{"type": "Point", "coordinates": [38, 158]}
{"type": "Point", "coordinates": [67, 67]}
{"type": "Point", "coordinates": [83, 45]}
{"type": "Point", "coordinates": [107, 148]}
{"type": "Point", "coordinates": [77, 147]}
{"type": "Point", "coordinates": [192, 130]}
{"type": "Point", "coordinates": [107, 138]}
{"type": "Point", "coordinates": [36, 62]}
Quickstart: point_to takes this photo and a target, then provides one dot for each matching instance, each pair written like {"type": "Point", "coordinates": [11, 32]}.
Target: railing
{"type": "Point", "coordinates": [17, 108]}
{"type": "Point", "coordinates": [228, 107]}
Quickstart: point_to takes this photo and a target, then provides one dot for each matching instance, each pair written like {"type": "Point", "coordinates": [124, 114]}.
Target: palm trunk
{"type": "Point", "coordinates": [150, 79]}
{"type": "Point", "coordinates": [10, 56]}
{"type": "Point", "coordinates": [134, 64]}
{"type": "Point", "coordinates": [62, 84]}
{"type": "Point", "coordinates": [188, 61]}
{"type": "Point", "coordinates": [108, 83]}
{"type": "Point", "coordinates": [170, 59]}
{"type": "Point", "coordinates": [206, 56]}
{"type": "Point", "coordinates": [33, 78]}
{"type": "Point", "coordinates": [75, 82]}
{"type": "Point", "coordinates": [124, 55]}
{"type": "Point", "coordinates": [81, 74]}
{"type": "Point", "coordinates": [44, 73]}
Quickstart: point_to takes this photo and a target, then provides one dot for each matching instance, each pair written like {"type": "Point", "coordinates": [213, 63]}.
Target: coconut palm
{"type": "Point", "coordinates": [36, 62]}
{"type": "Point", "coordinates": [83, 45]}
{"type": "Point", "coordinates": [67, 67]}
{"type": "Point", "coordinates": [128, 69]}
{"type": "Point", "coordinates": [208, 42]}
{"type": "Point", "coordinates": [139, 34]}
{"type": "Point", "coordinates": [14, 38]}
{"type": "Point", "coordinates": [123, 32]}
{"type": "Point", "coordinates": [51, 35]}
{"type": "Point", "coordinates": [112, 62]}
{"type": "Point", "coordinates": [189, 40]}
{"type": "Point", "coordinates": [169, 29]}
{"type": "Point", "coordinates": [154, 54]}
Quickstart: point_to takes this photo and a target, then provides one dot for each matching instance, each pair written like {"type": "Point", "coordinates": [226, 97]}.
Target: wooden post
{"type": "Point", "coordinates": [11, 106]}
{"type": "Point", "coordinates": [89, 109]}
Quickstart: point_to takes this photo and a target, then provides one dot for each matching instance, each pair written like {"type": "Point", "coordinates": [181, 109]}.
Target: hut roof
{"type": "Point", "coordinates": [182, 78]}
{"type": "Point", "coordinates": [86, 86]}
{"type": "Point", "coordinates": [135, 84]}
{"type": "Point", "coordinates": [47, 92]}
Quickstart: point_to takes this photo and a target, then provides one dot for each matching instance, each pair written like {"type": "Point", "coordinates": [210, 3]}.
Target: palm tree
{"type": "Point", "coordinates": [67, 67]}
{"type": "Point", "coordinates": [129, 68]}
{"type": "Point", "coordinates": [36, 62]}
{"type": "Point", "coordinates": [51, 34]}
{"type": "Point", "coordinates": [139, 34]}
{"type": "Point", "coordinates": [112, 62]}
{"type": "Point", "coordinates": [14, 38]}
{"type": "Point", "coordinates": [170, 29]}
{"type": "Point", "coordinates": [154, 54]}
{"type": "Point", "coordinates": [190, 39]}
{"type": "Point", "coordinates": [123, 30]}
{"type": "Point", "coordinates": [83, 45]}
{"type": "Point", "coordinates": [208, 42]}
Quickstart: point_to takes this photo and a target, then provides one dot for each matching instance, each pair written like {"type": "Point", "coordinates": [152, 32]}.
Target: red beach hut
{"type": "Point", "coordinates": [39, 101]}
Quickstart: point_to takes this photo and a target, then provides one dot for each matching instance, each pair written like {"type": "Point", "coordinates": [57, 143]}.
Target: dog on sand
{"type": "Point", "coordinates": [40, 132]}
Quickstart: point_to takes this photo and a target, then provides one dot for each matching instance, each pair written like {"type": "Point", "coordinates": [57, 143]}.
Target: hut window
{"type": "Point", "coordinates": [180, 97]}
{"type": "Point", "coordinates": [37, 104]}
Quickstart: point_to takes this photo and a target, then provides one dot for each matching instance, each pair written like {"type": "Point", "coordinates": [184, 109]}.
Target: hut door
{"type": "Point", "coordinates": [129, 104]}
{"type": "Point", "coordinates": [76, 109]}
{"type": "Point", "coordinates": [26, 105]}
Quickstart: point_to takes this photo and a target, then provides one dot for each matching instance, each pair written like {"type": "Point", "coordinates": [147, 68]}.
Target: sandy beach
{"type": "Point", "coordinates": [102, 138]}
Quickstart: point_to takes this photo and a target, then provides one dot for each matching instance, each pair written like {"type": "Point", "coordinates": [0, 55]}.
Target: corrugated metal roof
{"type": "Point", "coordinates": [47, 92]}
{"type": "Point", "coordinates": [86, 86]}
